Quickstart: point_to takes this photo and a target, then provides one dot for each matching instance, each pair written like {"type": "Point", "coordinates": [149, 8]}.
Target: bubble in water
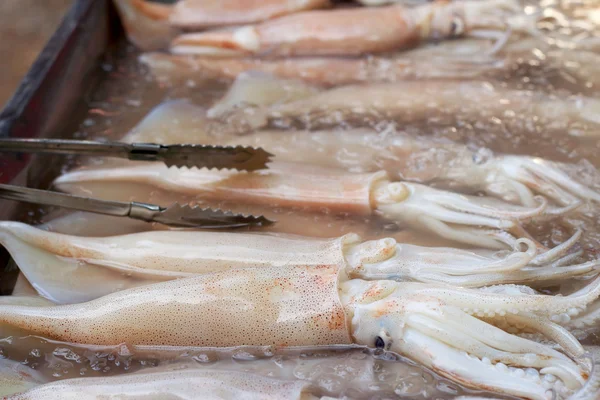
{"type": "Point", "coordinates": [410, 386]}
{"type": "Point", "coordinates": [307, 371]}
{"type": "Point", "coordinates": [202, 358]}
{"type": "Point", "coordinates": [243, 355]}
{"type": "Point", "coordinates": [97, 364]}
{"type": "Point", "coordinates": [123, 361]}
{"type": "Point", "coordinates": [330, 383]}
{"type": "Point", "coordinates": [67, 354]}
{"type": "Point", "coordinates": [89, 122]}
{"type": "Point", "coordinates": [149, 363]}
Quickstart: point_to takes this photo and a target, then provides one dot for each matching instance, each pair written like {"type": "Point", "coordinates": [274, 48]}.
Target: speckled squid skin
{"type": "Point", "coordinates": [69, 269]}
{"type": "Point", "coordinates": [178, 254]}
{"type": "Point", "coordinates": [280, 306]}
{"type": "Point", "coordinates": [180, 385]}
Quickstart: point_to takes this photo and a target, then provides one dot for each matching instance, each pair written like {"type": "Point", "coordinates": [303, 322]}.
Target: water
{"type": "Point", "coordinates": [359, 373]}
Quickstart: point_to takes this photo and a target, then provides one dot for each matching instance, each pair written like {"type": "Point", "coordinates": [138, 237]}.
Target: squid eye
{"type": "Point", "coordinates": [457, 27]}
{"type": "Point", "coordinates": [379, 343]}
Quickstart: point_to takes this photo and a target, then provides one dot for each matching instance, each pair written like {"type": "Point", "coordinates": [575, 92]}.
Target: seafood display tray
{"type": "Point", "coordinates": [48, 103]}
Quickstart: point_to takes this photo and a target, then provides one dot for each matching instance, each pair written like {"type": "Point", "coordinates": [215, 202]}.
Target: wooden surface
{"type": "Point", "coordinates": [25, 27]}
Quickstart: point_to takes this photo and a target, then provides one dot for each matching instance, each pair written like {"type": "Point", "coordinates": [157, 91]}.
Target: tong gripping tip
{"type": "Point", "coordinates": [241, 158]}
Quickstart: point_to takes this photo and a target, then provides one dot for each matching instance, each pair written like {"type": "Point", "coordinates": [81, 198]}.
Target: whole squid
{"type": "Point", "coordinates": [454, 103]}
{"type": "Point", "coordinates": [439, 326]}
{"type": "Point", "coordinates": [462, 102]}
{"type": "Point", "coordinates": [472, 220]}
{"type": "Point", "coordinates": [356, 31]}
{"type": "Point", "coordinates": [283, 27]}
{"type": "Point", "coordinates": [74, 269]}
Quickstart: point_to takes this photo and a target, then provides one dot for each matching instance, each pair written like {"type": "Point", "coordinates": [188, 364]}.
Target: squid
{"type": "Point", "coordinates": [182, 384]}
{"type": "Point", "coordinates": [73, 269]}
{"type": "Point", "coordinates": [441, 327]}
{"type": "Point", "coordinates": [443, 163]}
{"type": "Point", "coordinates": [468, 58]}
{"type": "Point", "coordinates": [324, 71]}
{"type": "Point", "coordinates": [356, 31]}
{"type": "Point", "coordinates": [462, 102]}
{"type": "Point", "coordinates": [465, 103]}
{"type": "Point", "coordinates": [479, 221]}
{"type": "Point", "coordinates": [272, 26]}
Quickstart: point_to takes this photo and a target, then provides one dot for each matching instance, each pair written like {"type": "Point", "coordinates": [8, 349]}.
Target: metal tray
{"type": "Point", "coordinates": [47, 102]}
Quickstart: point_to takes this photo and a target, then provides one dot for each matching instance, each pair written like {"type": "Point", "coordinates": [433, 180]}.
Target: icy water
{"type": "Point", "coordinates": [129, 92]}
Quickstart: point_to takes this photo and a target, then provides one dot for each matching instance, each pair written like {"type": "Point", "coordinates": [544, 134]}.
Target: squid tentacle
{"type": "Point", "coordinates": [567, 259]}
{"type": "Point", "coordinates": [584, 323]}
{"type": "Point", "coordinates": [477, 372]}
{"type": "Point", "coordinates": [439, 211]}
{"type": "Point", "coordinates": [490, 303]}
{"type": "Point", "coordinates": [556, 252]}
{"type": "Point", "coordinates": [540, 175]}
{"type": "Point", "coordinates": [543, 276]}
{"type": "Point", "coordinates": [566, 370]}
{"type": "Point", "coordinates": [551, 330]}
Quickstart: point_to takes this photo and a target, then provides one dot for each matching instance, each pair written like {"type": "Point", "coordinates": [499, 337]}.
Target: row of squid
{"type": "Point", "coordinates": [480, 317]}
{"type": "Point", "coordinates": [407, 45]}
{"type": "Point", "coordinates": [477, 303]}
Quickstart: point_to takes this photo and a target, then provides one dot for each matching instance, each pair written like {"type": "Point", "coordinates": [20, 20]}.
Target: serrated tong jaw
{"type": "Point", "coordinates": [187, 216]}
{"type": "Point", "coordinates": [176, 215]}
{"type": "Point", "coordinates": [241, 158]}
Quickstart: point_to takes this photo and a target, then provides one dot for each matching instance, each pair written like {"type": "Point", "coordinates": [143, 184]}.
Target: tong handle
{"type": "Point", "coordinates": [135, 210]}
{"type": "Point", "coordinates": [134, 151]}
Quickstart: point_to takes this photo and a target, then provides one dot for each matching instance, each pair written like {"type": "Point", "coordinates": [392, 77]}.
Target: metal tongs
{"type": "Point", "coordinates": [177, 215]}
{"type": "Point", "coordinates": [180, 155]}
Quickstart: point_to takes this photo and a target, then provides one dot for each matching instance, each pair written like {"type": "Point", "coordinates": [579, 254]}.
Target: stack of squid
{"type": "Point", "coordinates": [398, 233]}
